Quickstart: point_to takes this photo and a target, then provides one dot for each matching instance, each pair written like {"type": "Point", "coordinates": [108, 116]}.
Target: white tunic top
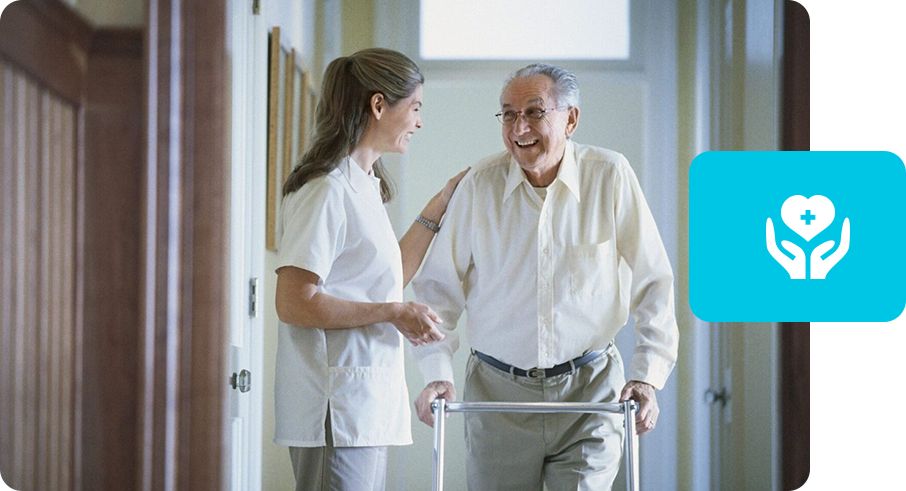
{"type": "Point", "coordinates": [336, 227]}
{"type": "Point", "coordinates": [545, 280]}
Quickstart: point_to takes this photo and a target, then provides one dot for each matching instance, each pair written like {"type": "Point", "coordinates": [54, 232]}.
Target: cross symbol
{"type": "Point", "coordinates": [808, 217]}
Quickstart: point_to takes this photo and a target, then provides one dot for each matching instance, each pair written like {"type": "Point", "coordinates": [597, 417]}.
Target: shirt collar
{"type": "Point", "coordinates": [569, 170]}
{"type": "Point", "coordinates": [357, 178]}
{"type": "Point", "coordinates": [568, 173]}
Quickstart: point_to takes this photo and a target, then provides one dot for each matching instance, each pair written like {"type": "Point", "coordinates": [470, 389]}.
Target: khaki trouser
{"type": "Point", "coordinates": [520, 452]}
{"type": "Point", "coordinates": [339, 468]}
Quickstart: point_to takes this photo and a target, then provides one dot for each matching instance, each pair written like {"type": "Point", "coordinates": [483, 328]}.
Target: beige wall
{"type": "Point", "coordinates": [687, 390]}
{"type": "Point", "coordinates": [296, 19]}
{"type": "Point", "coordinates": [111, 13]}
{"type": "Point", "coordinates": [358, 25]}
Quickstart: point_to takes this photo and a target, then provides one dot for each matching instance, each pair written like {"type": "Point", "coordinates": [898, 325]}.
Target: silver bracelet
{"type": "Point", "coordinates": [428, 223]}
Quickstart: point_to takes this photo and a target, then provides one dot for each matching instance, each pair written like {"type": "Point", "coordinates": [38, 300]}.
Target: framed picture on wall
{"type": "Point", "coordinates": [305, 102]}
{"type": "Point", "coordinates": [290, 113]}
{"type": "Point", "coordinates": [276, 111]}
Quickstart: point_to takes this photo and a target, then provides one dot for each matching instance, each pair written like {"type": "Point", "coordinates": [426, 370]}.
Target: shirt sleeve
{"type": "Point", "coordinates": [651, 295]}
{"type": "Point", "coordinates": [314, 228]}
{"type": "Point", "coordinates": [440, 283]}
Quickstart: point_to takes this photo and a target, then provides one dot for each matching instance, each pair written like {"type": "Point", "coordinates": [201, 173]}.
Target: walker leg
{"type": "Point", "coordinates": [631, 455]}
{"type": "Point", "coordinates": [438, 407]}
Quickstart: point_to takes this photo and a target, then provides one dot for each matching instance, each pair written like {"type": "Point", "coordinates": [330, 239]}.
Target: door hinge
{"type": "Point", "coordinates": [253, 297]}
{"type": "Point", "coordinates": [256, 7]}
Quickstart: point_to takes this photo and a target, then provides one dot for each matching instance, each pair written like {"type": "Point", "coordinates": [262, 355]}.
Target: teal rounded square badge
{"type": "Point", "coordinates": [797, 236]}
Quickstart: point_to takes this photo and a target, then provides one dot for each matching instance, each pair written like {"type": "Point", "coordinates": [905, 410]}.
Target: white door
{"type": "Point", "coordinates": [246, 254]}
{"type": "Point", "coordinates": [719, 397]}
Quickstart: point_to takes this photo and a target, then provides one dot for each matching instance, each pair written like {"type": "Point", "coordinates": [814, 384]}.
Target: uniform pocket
{"type": "Point", "coordinates": [369, 406]}
{"type": "Point", "coordinates": [592, 269]}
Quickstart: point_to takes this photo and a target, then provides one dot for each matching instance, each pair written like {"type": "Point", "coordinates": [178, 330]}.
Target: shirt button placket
{"type": "Point", "coordinates": [545, 294]}
{"type": "Point", "coordinates": [543, 261]}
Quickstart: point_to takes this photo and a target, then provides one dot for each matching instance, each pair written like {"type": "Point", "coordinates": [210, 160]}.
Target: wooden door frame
{"type": "Point", "coordinates": [185, 282]}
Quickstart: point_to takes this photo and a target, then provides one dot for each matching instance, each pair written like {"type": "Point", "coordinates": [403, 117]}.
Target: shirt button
{"type": "Point", "coordinates": [546, 250]}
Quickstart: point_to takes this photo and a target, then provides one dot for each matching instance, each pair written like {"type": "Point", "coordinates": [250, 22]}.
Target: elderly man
{"type": "Point", "coordinates": [531, 246]}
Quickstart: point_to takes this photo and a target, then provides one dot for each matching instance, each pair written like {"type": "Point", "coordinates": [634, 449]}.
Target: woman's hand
{"type": "Point", "coordinates": [436, 208]}
{"type": "Point", "coordinates": [416, 322]}
{"type": "Point", "coordinates": [447, 192]}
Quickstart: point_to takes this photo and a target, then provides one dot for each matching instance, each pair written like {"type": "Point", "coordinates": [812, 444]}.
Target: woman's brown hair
{"type": "Point", "coordinates": [343, 111]}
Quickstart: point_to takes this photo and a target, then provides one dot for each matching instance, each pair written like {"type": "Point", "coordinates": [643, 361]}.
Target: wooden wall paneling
{"type": "Point", "coordinates": [43, 63]}
{"type": "Point", "coordinates": [210, 248]}
{"type": "Point", "coordinates": [48, 298]}
{"type": "Point", "coordinates": [68, 378]}
{"type": "Point", "coordinates": [33, 148]}
{"type": "Point", "coordinates": [58, 462]}
{"type": "Point", "coordinates": [151, 448]}
{"type": "Point", "coordinates": [18, 277]}
{"type": "Point", "coordinates": [54, 180]}
{"type": "Point", "coordinates": [795, 410]}
{"type": "Point", "coordinates": [6, 399]}
{"type": "Point", "coordinates": [796, 78]}
{"type": "Point", "coordinates": [48, 41]}
{"type": "Point", "coordinates": [191, 159]}
{"type": "Point", "coordinates": [78, 328]}
{"type": "Point", "coordinates": [111, 240]}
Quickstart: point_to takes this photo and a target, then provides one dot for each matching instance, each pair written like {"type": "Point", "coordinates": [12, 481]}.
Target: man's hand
{"type": "Point", "coordinates": [439, 388]}
{"type": "Point", "coordinates": [646, 417]}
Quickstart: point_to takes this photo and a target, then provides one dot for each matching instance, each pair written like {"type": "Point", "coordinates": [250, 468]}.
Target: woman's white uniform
{"type": "Point", "coordinates": [336, 227]}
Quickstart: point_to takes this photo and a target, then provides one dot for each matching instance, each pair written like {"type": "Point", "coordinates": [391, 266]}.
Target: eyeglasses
{"type": "Point", "coordinates": [532, 115]}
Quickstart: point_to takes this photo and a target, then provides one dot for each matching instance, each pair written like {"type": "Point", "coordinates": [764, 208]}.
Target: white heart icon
{"type": "Point", "coordinates": [807, 217]}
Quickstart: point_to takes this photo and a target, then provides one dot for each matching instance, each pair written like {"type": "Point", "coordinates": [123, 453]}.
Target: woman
{"type": "Point", "coordinates": [341, 396]}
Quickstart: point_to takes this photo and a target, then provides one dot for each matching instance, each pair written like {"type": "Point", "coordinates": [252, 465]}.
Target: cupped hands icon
{"type": "Point", "coordinates": [796, 266]}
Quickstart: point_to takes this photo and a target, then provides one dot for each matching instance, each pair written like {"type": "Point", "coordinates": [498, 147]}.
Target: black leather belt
{"type": "Point", "coordinates": [542, 372]}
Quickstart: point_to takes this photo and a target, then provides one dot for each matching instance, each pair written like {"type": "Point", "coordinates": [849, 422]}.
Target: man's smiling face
{"type": "Point", "coordinates": [538, 145]}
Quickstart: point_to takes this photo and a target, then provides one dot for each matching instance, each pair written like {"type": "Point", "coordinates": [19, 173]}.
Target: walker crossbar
{"type": "Point", "coordinates": [628, 409]}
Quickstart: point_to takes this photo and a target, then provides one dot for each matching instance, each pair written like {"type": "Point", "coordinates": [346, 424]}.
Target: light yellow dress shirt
{"type": "Point", "coordinates": [545, 280]}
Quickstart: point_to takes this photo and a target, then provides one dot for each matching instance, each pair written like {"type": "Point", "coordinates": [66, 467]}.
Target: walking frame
{"type": "Point", "coordinates": [440, 408]}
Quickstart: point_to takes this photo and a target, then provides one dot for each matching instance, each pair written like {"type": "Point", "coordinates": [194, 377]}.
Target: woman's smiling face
{"type": "Point", "coordinates": [399, 122]}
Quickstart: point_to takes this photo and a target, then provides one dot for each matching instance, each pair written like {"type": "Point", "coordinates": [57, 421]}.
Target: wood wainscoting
{"type": "Point", "coordinates": [43, 50]}
{"type": "Point", "coordinates": [114, 180]}
{"type": "Point", "coordinates": [37, 283]}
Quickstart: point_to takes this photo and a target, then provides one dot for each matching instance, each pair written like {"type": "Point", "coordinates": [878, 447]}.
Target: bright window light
{"type": "Point", "coordinates": [524, 29]}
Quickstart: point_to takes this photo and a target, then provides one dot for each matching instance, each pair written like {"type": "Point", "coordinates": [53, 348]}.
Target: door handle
{"type": "Point", "coordinates": [241, 381]}
{"type": "Point", "coordinates": [713, 397]}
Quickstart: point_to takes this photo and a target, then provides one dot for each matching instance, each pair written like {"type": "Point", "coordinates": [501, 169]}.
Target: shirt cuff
{"type": "Point", "coordinates": [437, 366]}
{"type": "Point", "coordinates": [651, 369]}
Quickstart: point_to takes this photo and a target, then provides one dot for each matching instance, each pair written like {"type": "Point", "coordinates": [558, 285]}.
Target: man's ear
{"type": "Point", "coordinates": [572, 121]}
{"type": "Point", "coordinates": [378, 103]}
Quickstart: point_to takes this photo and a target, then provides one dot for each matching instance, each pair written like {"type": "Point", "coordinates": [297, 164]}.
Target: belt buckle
{"type": "Point", "coordinates": [535, 373]}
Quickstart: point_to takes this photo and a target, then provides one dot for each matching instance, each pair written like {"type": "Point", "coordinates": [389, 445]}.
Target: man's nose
{"type": "Point", "coordinates": [520, 126]}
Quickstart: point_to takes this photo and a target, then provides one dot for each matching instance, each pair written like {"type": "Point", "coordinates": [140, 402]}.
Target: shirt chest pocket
{"type": "Point", "coordinates": [592, 269]}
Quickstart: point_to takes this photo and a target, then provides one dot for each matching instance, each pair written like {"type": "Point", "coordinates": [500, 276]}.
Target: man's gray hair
{"type": "Point", "coordinates": [566, 85]}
